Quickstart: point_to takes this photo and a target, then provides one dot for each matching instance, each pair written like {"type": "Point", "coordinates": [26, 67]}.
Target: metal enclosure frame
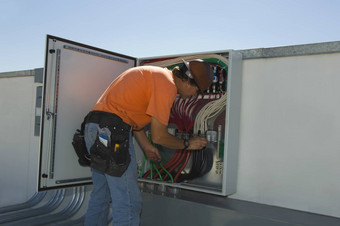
{"type": "Point", "coordinates": [227, 185]}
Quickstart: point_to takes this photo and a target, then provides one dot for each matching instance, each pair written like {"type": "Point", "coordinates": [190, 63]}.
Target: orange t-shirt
{"type": "Point", "coordinates": [139, 94]}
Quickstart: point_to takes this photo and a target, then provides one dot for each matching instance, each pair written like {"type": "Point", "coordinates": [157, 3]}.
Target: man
{"type": "Point", "coordinates": [138, 97]}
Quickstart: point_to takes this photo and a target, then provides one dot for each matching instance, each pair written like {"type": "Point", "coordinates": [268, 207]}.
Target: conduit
{"type": "Point", "coordinates": [47, 214]}
{"type": "Point", "coordinates": [34, 200]}
{"type": "Point", "coordinates": [72, 207]}
{"type": "Point", "coordinates": [53, 203]}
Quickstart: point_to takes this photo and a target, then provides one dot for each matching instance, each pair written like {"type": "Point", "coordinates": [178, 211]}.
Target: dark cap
{"type": "Point", "coordinates": [201, 72]}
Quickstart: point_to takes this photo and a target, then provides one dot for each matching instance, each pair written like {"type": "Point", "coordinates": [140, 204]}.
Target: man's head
{"type": "Point", "coordinates": [196, 75]}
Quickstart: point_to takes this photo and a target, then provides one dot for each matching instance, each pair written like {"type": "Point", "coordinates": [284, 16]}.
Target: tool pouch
{"type": "Point", "coordinates": [106, 160]}
{"type": "Point", "coordinates": [78, 142]}
{"type": "Point", "coordinates": [114, 158]}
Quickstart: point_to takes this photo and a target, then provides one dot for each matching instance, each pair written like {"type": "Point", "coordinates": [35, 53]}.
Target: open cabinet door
{"type": "Point", "coordinates": [75, 77]}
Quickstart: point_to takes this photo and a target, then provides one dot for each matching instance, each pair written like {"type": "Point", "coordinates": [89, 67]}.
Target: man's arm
{"type": "Point", "coordinates": [160, 135]}
{"type": "Point", "coordinates": [150, 150]}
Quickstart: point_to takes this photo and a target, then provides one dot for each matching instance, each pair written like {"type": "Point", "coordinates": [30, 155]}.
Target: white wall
{"type": "Point", "coordinates": [290, 133]}
{"type": "Point", "coordinates": [289, 143]}
{"type": "Point", "coordinates": [18, 146]}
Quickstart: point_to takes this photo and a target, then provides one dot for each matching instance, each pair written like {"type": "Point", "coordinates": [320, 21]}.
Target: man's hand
{"type": "Point", "coordinates": [197, 143]}
{"type": "Point", "coordinates": [152, 153]}
{"type": "Point", "coordinates": [149, 149]}
{"type": "Point", "coordinates": [161, 136]}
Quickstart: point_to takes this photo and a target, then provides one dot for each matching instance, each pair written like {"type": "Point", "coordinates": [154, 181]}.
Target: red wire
{"type": "Point", "coordinates": [182, 114]}
{"type": "Point", "coordinates": [185, 113]}
{"type": "Point", "coordinates": [174, 115]}
{"type": "Point", "coordinates": [176, 164]}
{"type": "Point", "coordinates": [169, 163]}
{"type": "Point", "coordinates": [187, 156]}
{"type": "Point", "coordinates": [198, 102]}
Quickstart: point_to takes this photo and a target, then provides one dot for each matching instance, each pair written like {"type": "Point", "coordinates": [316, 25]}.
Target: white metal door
{"type": "Point", "coordinates": [75, 77]}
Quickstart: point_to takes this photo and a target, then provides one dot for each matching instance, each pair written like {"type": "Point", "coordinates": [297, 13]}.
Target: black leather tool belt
{"type": "Point", "coordinates": [112, 157]}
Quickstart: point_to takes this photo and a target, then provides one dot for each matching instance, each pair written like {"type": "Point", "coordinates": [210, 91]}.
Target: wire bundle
{"type": "Point", "coordinates": [183, 113]}
{"type": "Point", "coordinates": [202, 160]}
{"type": "Point", "coordinates": [209, 111]}
{"type": "Point", "coordinates": [183, 116]}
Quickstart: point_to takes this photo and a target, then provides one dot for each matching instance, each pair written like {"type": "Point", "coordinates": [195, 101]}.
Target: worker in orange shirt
{"type": "Point", "coordinates": [138, 97]}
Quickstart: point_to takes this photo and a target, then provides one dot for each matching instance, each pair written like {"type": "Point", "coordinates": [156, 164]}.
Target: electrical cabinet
{"type": "Point", "coordinates": [75, 77]}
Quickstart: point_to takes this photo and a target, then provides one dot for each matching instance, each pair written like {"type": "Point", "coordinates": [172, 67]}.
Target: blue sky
{"type": "Point", "coordinates": [145, 28]}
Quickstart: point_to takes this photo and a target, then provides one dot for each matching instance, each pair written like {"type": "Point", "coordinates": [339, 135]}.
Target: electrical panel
{"type": "Point", "coordinates": [213, 114]}
{"type": "Point", "coordinates": [75, 77]}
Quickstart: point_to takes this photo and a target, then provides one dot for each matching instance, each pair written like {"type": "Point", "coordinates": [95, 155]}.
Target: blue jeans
{"type": "Point", "coordinates": [123, 191]}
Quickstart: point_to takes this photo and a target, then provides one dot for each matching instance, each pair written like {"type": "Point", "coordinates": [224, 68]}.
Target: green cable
{"type": "Point", "coordinates": [159, 174]}
{"type": "Point", "coordinates": [151, 176]}
{"type": "Point", "coordinates": [216, 61]}
{"type": "Point", "coordinates": [172, 179]}
{"type": "Point", "coordinates": [208, 60]}
{"type": "Point", "coordinates": [150, 139]}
